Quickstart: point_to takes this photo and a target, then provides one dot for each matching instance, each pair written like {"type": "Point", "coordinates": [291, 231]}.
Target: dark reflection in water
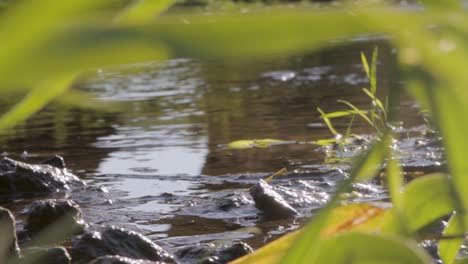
{"type": "Point", "coordinates": [161, 159]}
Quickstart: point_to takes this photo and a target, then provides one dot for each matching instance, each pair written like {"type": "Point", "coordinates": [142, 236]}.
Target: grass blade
{"type": "Point", "coordinates": [307, 246]}
{"type": "Point", "coordinates": [373, 72]}
{"type": "Point", "coordinates": [359, 112]}
{"type": "Point", "coordinates": [327, 121]}
{"type": "Point", "coordinates": [365, 64]}
{"type": "Point", "coordinates": [35, 100]}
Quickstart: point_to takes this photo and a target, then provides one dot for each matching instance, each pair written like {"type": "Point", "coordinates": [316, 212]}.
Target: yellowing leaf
{"type": "Point", "coordinates": [362, 217]}
{"type": "Point", "coordinates": [354, 217]}
{"type": "Point", "coordinates": [278, 173]}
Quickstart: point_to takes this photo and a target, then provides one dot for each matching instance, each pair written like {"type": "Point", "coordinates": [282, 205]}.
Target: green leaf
{"type": "Point", "coordinates": [307, 246]}
{"type": "Point", "coordinates": [341, 113]}
{"type": "Point", "coordinates": [361, 217]}
{"type": "Point", "coordinates": [368, 248]}
{"type": "Point", "coordinates": [365, 64]}
{"type": "Point", "coordinates": [447, 4]}
{"type": "Point", "coordinates": [448, 248]}
{"type": "Point", "coordinates": [143, 11]}
{"type": "Point", "coordinates": [35, 100]}
{"type": "Point", "coordinates": [373, 72]}
{"type": "Point", "coordinates": [426, 199]}
{"type": "Point", "coordinates": [461, 261]}
{"type": "Point", "coordinates": [376, 101]}
{"type": "Point", "coordinates": [358, 111]}
{"type": "Point", "coordinates": [394, 176]}
{"type": "Point", "coordinates": [327, 121]}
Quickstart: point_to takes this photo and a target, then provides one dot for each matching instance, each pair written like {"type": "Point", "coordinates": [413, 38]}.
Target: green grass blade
{"type": "Point", "coordinates": [365, 64]}
{"type": "Point", "coordinates": [35, 100]}
{"type": "Point", "coordinates": [394, 177]}
{"type": "Point", "coordinates": [448, 249]}
{"type": "Point", "coordinates": [359, 112]}
{"type": "Point", "coordinates": [376, 100]}
{"type": "Point", "coordinates": [373, 72]}
{"type": "Point", "coordinates": [308, 245]}
{"type": "Point", "coordinates": [327, 121]}
{"type": "Point", "coordinates": [341, 113]}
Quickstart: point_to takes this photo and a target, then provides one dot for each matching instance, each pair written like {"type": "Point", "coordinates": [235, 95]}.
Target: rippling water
{"type": "Point", "coordinates": [157, 166]}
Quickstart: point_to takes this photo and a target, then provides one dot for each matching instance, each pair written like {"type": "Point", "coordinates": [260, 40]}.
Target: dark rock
{"type": "Point", "coordinates": [121, 260]}
{"type": "Point", "coordinates": [209, 253]}
{"type": "Point", "coordinates": [8, 243]}
{"type": "Point", "coordinates": [56, 255]}
{"type": "Point", "coordinates": [45, 213]}
{"type": "Point", "coordinates": [234, 251]}
{"type": "Point", "coordinates": [272, 204]}
{"type": "Point", "coordinates": [117, 241]}
{"type": "Point", "coordinates": [21, 178]}
{"type": "Point", "coordinates": [56, 161]}
{"type": "Point", "coordinates": [195, 253]}
{"type": "Point", "coordinates": [233, 201]}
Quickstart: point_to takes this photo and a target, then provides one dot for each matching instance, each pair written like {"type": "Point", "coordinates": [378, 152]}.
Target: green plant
{"type": "Point", "coordinates": [376, 117]}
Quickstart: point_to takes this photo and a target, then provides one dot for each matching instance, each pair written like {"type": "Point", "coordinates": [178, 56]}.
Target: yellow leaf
{"type": "Point", "coordinates": [354, 217]}
{"type": "Point", "coordinates": [256, 143]}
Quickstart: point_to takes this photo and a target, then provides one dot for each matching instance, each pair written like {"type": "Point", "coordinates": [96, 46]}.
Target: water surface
{"type": "Point", "coordinates": [158, 165]}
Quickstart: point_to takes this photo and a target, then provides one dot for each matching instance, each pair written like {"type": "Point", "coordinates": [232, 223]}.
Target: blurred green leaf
{"type": "Point", "coordinates": [35, 100]}
{"type": "Point", "coordinates": [354, 217]}
{"type": "Point", "coordinates": [307, 246]}
{"type": "Point", "coordinates": [461, 261]}
{"type": "Point", "coordinates": [143, 11]}
{"type": "Point", "coordinates": [368, 248]}
{"type": "Point", "coordinates": [394, 177]}
{"type": "Point", "coordinates": [447, 4]}
{"type": "Point", "coordinates": [426, 199]}
{"type": "Point", "coordinates": [448, 248]}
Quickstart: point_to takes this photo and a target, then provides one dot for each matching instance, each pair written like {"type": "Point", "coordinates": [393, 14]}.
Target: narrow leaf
{"type": "Point", "coordinates": [373, 72]}
{"type": "Point", "coordinates": [448, 248]}
{"type": "Point", "coordinates": [358, 111]}
{"type": "Point", "coordinates": [327, 121]}
{"type": "Point", "coordinates": [365, 64]}
{"type": "Point", "coordinates": [36, 100]}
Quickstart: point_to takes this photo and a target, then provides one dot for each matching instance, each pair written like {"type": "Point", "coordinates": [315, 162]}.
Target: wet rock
{"type": "Point", "coordinates": [117, 241]}
{"type": "Point", "coordinates": [195, 253]}
{"type": "Point", "coordinates": [209, 253]}
{"type": "Point", "coordinates": [232, 201]}
{"type": "Point", "coordinates": [56, 161]}
{"type": "Point", "coordinates": [121, 260]}
{"type": "Point", "coordinates": [22, 178]}
{"type": "Point", "coordinates": [56, 255]}
{"type": "Point", "coordinates": [8, 243]}
{"type": "Point", "coordinates": [272, 204]}
{"type": "Point", "coordinates": [45, 213]}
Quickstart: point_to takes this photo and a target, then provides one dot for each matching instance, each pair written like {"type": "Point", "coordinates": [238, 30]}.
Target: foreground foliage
{"type": "Point", "coordinates": [48, 50]}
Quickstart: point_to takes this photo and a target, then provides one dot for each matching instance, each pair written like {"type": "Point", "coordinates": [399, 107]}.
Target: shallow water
{"type": "Point", "coordinates": [158, 165]}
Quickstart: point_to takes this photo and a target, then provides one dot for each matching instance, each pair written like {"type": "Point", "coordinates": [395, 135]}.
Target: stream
{"type": "Point", "coordinates": [155, 160]}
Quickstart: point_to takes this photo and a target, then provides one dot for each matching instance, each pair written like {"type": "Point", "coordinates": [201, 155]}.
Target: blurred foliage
{"type": "Point", "coordinates": [46, 51]}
